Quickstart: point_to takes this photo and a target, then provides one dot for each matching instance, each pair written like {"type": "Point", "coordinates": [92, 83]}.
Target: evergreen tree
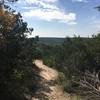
{"type": "Point", "coordinates": [17, 75]}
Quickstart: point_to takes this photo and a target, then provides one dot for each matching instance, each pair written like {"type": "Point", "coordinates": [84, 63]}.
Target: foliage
{"type": "Point", "coordinates": [74, 58]}
{"type": "Point", "coordinates": [17, 73]}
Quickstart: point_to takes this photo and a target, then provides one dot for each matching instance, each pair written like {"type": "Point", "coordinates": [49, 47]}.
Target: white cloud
{"type": "Point", "coordinates": [50, 15]}
{"type": "Point", "coordinates": [48, 1]}
{"type": "Point", "coordinates": [47, 5]}
{"type": "Point", "coordinates": [52, 1]}
{"type": "Point", "coordinates": [42, 3]}
{"type": "Point", "coordinates": [80, 0]}
{"type": "Point", "coordinates": [48, 10]}
{"type": "Point", "coordinates": [72, 23]}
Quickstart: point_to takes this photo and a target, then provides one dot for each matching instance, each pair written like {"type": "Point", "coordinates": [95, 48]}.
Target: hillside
{"type": "Point", "coordinates": [53, 40]}
{"type": "Point", "coordinates": [50, 40]}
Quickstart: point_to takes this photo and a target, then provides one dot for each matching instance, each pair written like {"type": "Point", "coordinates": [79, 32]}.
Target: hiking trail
{"type": "Point", "coordinates": [49, 89]}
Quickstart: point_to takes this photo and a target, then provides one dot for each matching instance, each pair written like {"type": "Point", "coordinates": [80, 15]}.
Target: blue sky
{"type": "Point", "coordinates": [60, 18]}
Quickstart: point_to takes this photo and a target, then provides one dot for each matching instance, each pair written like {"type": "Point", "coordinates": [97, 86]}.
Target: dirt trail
{"type": "Point", "coordinates": [55, 92]}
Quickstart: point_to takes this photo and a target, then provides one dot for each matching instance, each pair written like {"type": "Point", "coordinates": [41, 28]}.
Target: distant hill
{"type": "Point", "coordinates": [53, 40]}
{"type": "Point", "coordinates": [50, 40]}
